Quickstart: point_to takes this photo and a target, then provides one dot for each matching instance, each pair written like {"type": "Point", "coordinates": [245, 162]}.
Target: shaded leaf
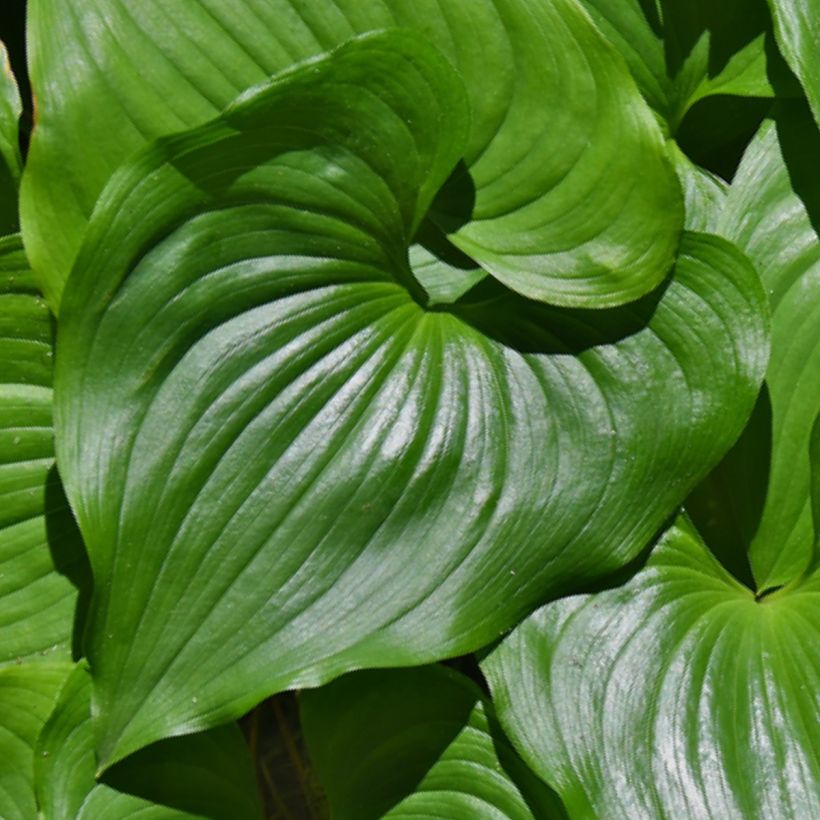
{"type": "Point", "coordinates": [676, 695]}
{"type": "Point", "coordinates": [264, 434]}
{"type": "Point", "coordinates": [772, 213]}
{"type": "Point", "coordinates": [574, 200]}
{"type": "Point", "coordinates": [205, 776]}
{"type": "Point", "coordinates": [41, 552]}
{"type": "Point", "coordinates": [10, 164]}
{"type": "Point", "coordinates": [420, 743]}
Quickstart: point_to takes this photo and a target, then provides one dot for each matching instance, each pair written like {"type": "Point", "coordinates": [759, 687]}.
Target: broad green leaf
{"type": "Point", "coordinates": [274, 449]}
{"type": "Point", "coordinates": [10, 109]}
{"type": "Point", "coordinates": [28, 693]}
{"type": "Point", "coordinates": [772, 212]}
{"type": "Point", "coordinates": [676, 695]}
{"type": "Point", "coordinates": [565, 192]}
{"type": "Point", "coordinates": [41, 553]}
{"type": "Point", "coordinates": [797, 26]}
{"type": "Point", "coordinates": [417, 743]}
{"type": "Point", "coordinates": [681, 51]}
{"type": "Point", "coordinates": [208, 775]}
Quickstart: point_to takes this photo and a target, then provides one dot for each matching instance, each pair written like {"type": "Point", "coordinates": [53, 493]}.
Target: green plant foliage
{"type": "Point", "coordinates": [797, 25]}
{"type": "Point", "coordinates": [10, 164]}
{"type": "Point", "coordinates": [28, 693]}
{"type": "Point", "coordinates": [417, 743]}
{"type": "Point", "coordinates": [676, 695]}
{"type": "Point", "coordinates": [532, 210]}
{"type": "Point", "coordinates": [207, 775]}
{"type": "Point", "coordinates": [772, 212]}
{"type": "Point", "coordinates": [248, 389]}
{"type": "Point", "coordinates": [41, 553]}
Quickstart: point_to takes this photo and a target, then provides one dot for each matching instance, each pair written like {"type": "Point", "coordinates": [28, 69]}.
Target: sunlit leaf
{"type": "Point", "coordinates": [417, 743]}
{"type": "Point", "coordinates": [676, 695]}
{"type": "Point", "coordinates": [41, 552]}
{"type": "Point", "coordinates": [286, 467]}
{"type": "Point", "coordinates": [565, 192]}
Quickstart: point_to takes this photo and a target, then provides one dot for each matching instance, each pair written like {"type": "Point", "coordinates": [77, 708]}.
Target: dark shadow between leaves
{"type": "Point", "coordinates": [800, 143]}
{"type": "Point", "coordinates": [68, 553]}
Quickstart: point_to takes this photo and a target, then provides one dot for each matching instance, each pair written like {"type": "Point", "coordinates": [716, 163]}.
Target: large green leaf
{"type": "Point", "coordinates": [274, 449]}
{"type": "Point", "coordinates": [204, 776]}
{"type": "Point", "coordinates": [10, 109]}
{"type": "Point", "coordinates": [772, 212]}
{"type": "Point", "coordinates": [681, 51]}
{"type": "Point", "coordinates": [676, 695]}
{"type": "Point", "coordinates": [565, 193]}
{"type": "Point", "coordinates": [797, 26]}
{"type": "Point", "coordinates": [41, 553]}
{"type": "Point", "coordinates": [417, 743]}
{"type": "Point", "coordinates": [28, 693]}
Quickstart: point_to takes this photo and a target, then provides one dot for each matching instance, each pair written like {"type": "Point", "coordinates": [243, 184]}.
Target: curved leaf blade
{"type": "Point", "coordinates": [247, 390]}
{"type": "Point", "coordinates": [27, 695]}
{"type": "Point", "coordinates": [41, 552]}
{"type": "Point", "coordinates": [676, 695]}
{"type": "Point", "coordinates": [10, 163]}
{"type": "Point", "coordinates": [417, 743]}
{"type": "Point", "coordinates": [573, 201]}
{"type": "Point", "coordinates": [208, 775]}
{"type": "Point", "coordinates": [771, 213]}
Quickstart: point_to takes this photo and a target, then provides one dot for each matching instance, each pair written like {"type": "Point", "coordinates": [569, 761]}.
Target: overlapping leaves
{"type": "Point", "coordinates": [569, 196]}
{"type": "Point", "coordinates": [264, 432]}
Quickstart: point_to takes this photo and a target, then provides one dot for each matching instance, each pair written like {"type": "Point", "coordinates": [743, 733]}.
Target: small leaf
{"type": "Point", "coordinates": [263, 432]}
{"type": "Point", "coordinates": [676, 695]}
{"type": "Point", "coordinates": [208, 775]}
{"type": "Point", "coordinates": [417, 743]}
{"type": "Point", "coordinates": [41, 552]}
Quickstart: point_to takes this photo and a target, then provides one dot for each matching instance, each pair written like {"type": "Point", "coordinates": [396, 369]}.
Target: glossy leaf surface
{"type": "Point", "coordinates": [417, 743]}
{"type": "Point", "coordinates": [676, 695]}
{"type": "Point", "coordinates": [565, 192]}
{"type": "Point", "coordinates": [263, 433]}
{"type": "Point", "coordinates": [772, 213]}
{"type": "Point", "coordinates": [41, 552]}
{"type": "Point", "coordinates": [207, 775]}
{"type": "Point", "coordinates": [28, 693]}
{"type": "Point", "coordinates": [797, 25]}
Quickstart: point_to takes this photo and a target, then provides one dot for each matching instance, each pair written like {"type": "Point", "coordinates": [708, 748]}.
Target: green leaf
{"type": "Point", "coordinates": [565, 194]}
{"type": "Point", "coordinates": [681, 51]}
{"type": "Point", "coordinates": [704, 194]}
{"type": "Point", "coordinates": [676, 695]}
{"type": "Point", "coordinates": [208, 775]}
{"type": "Point", "coordinates": [41, 553]}
{"type": "Point", "coordinates": [10, 164]}
{"type": "Point", "coordinates": [417, 743]}
{"type": "Point", "coordinates": [27, 695]}
{"type": "Point", "coordinates": [264, 434]}
{"type": "Point", "coordinates": [797, 27]}
{"type": "Point", "coordinates": [772, 212]}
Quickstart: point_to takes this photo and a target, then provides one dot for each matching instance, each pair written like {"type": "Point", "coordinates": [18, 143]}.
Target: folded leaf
{"type": "Point", "coordinates": [676, 695]}
{"type": "Point", "coordinates": [565, 194]}
{"type": "Point", "coordinates": [274, 449]}
{"type": "Point", "coordinates": [417, 743]}
{"type": "Point", "coordinates": [797, 26]}
{"type": "Point", "coordinates": [208, 775]}
{"type": "Point", "coordinates": [28, 693]}
{"type": "Point", "coordinates": [10, 109]}
{"type": "Point", "coordinates": [41, 552]}
{"type": "Point", "coordinates": [771, 213]}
